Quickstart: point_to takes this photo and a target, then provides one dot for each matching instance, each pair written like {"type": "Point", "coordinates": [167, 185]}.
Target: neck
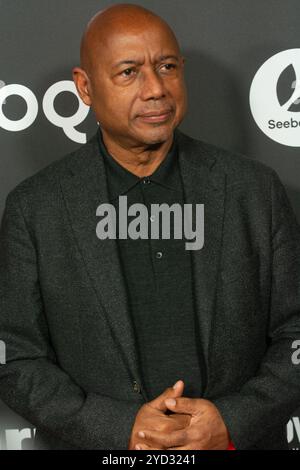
{"type": "Point", "coordinates": [141, 161]}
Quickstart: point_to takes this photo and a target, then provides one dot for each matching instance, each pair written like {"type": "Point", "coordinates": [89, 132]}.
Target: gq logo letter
{"type": "Point", "coordinates": [66, 123]}
{"type": "Point", "coordinates": [293, 429]}
{"type": "Point", "coordinates": [2, 352]}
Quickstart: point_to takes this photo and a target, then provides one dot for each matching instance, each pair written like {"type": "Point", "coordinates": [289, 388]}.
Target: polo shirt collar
{"type": "Point", "coordinates": [122, 180]}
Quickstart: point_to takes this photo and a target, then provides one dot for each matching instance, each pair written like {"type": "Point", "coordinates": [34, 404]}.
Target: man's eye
{"type": "Point", "coordinates": [127, 72]}
{"type": "Point", "coordinates": [170, 66]}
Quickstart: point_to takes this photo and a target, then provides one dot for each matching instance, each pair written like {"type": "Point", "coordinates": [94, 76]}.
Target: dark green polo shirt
{"type": "Point", "coordinates": [158, 275]}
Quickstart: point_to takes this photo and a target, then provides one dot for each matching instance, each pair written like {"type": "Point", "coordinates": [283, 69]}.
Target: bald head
{"type": "Point", "coordinates": [118, 19]}
{"type": "Point", "coordinates": [131, 66]}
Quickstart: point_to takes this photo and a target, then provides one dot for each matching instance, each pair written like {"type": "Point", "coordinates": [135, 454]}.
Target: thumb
{"type": "Point", "coordinates": [170, 392]}
{"type": "Point", "coordinates": [184, 405]}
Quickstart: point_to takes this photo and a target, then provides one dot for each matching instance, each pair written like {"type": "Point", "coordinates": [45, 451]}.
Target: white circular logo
{"type": "Point", "coordinates": [275, 97]}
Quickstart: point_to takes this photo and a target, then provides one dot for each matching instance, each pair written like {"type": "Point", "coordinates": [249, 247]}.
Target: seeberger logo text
{"type": "Point", "coordinates": [279, 124]}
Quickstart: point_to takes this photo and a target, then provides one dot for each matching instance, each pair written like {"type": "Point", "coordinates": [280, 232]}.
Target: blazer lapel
{"type": "Point", "coordinates": [204, 184]}
{"type": "Point", "coordinates": [84, 189]}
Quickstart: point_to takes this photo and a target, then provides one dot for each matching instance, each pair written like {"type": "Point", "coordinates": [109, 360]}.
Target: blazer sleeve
{"type": "Point", "coordinates": [270, 397]}
{"type": "Point", "coordinates": [31, 381]}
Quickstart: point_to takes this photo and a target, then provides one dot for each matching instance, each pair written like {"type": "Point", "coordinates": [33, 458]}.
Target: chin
{"type": "Point", "coordinates": [156, 135]}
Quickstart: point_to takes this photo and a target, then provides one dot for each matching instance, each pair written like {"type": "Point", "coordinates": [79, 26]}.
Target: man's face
{"type": "Point", "coordinates": [138, 73]}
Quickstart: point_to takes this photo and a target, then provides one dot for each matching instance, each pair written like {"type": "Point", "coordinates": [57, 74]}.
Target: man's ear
{"type": "Point", "coordinates": [81, 81]}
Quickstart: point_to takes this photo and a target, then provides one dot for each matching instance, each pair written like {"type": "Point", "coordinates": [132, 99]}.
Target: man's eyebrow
{"type": "Point", "coordinates": [136, 62]}
{"type": "Point", "coordinates": [169, 56]}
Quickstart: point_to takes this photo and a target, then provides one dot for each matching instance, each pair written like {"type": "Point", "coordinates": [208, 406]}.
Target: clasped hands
{"type": "Point", "coordinates": [194, 424]}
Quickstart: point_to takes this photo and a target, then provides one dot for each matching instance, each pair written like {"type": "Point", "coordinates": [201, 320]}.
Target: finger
{"type": "Point", "coordinates": [178, 387]}
{"type": "Point", "coordinates": [190, 446]}
{"type": "Point", "coordinates": [143, 446]}
{"type": "Point", "coordinates": [181, 448]}
{"type": "Point", "coordinates": [175, 438]}
{"type": "Point", "coordinates": [170, 392]}
{"type": "Point", "coordinates": [185, 405]}
{"type": "Point", "coordinates": [180, 420]}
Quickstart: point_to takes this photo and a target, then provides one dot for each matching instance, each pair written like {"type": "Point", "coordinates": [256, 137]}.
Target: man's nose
{"type": "Point", "coordinates": [152, 86]}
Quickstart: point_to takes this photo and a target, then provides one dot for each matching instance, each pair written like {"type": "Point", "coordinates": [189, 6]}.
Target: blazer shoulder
{"type": "Point", "coordinates": [236, 165]}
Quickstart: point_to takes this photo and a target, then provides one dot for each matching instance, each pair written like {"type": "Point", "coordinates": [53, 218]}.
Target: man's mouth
{"type": "Point", "coordinates": [156, 116]}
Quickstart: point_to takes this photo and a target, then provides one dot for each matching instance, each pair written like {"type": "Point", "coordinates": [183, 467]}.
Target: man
{"type": "Point", "coordinates": [97, 331]}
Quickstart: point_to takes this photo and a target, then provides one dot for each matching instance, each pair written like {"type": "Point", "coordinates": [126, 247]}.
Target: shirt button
{"type": "Point", "coordinates": [136, 387]}
{"type": "Point", "coordinates": [146, 180]}
{"type": "Point", "coordinates": [158, 254]}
